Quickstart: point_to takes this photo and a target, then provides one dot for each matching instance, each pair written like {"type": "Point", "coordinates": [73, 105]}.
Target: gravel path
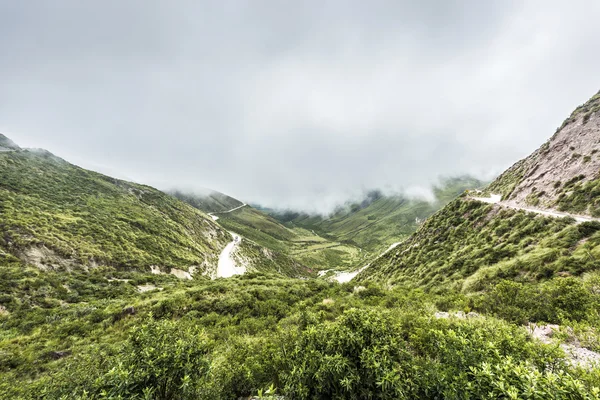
{"type": "Point", "coordinates": [226, 266]}
{"type": "Point", "coordinates": [497, 199]}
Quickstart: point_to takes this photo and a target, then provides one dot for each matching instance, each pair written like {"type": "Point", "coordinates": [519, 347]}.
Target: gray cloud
{"type": "Point", "coordinates": [299, 104]}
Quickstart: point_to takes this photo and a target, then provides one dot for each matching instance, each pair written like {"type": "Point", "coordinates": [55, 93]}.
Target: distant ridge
{"type": "Point", "coordinates": [7, 145]}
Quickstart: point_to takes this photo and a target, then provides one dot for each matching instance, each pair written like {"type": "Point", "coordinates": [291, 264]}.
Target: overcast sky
{"type": "Point", "coordinates": [294, 103]}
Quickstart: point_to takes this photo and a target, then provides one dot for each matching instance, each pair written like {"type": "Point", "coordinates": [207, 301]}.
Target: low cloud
{"type": "Point", "coordinates": [299, 105]}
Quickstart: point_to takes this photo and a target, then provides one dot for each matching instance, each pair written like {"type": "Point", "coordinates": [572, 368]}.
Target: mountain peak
{"type": "Point", "coordinates": [7, 145]}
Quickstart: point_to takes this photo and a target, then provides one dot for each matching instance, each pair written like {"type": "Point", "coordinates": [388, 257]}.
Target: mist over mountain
{"type": "Point", "coordinates": [294, 105]}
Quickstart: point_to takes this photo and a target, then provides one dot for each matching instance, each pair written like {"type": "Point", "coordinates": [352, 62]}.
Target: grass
{"type": "Point", "coordinates": [578, 197]}
{"type": "Point", "coordinates": [470, 245]}
{"type": "Point", "coordinates": [88, 218]}
{"type": "Point", "coordinates": [239, 337]}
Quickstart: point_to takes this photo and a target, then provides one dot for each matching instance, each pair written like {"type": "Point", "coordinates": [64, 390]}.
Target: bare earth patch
{"type": "Point", "coordinates": [578, 356]}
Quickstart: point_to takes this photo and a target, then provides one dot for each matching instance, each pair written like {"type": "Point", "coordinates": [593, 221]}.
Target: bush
{"type": "Point", "coordinates": [161, 360]}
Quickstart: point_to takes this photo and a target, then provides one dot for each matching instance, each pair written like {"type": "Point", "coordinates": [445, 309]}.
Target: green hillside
{"type": "Point", "coordinates": [469, 246]}
{"type": "Point", "coordinates": [379, 220]}
{"type": "Point", "coordinates": [56, 215]}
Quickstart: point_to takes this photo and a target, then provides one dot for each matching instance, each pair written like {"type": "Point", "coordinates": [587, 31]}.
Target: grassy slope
{"type": "Point", "coordinates": [470, 245]}
{"type": "Point", "coordinates": [85, 217]}
{"type": "Point", "coordinates": [380, 220]}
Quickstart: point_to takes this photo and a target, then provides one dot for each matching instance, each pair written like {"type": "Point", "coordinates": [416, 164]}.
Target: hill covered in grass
{"type": "Point", "coordinates": [57, 216]}
{"type": "Point", "coordinates": [470, 246]}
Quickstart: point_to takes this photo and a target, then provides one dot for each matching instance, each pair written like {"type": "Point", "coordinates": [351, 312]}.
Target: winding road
{"type": "Point", "coordinates": [214, 217]}
{"type": "Point", "coordinates": [343, 277]}
{"type": "Point", "coordinates": [226, 267]}
{"type": "Point", "coordinates": [497, 199]}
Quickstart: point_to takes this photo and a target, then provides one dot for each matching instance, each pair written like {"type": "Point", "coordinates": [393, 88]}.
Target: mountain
{"type": "Point", "coordinates": [485, 300]}
{"type": "Point", "coordinates": [344, 240]}
{"type": "Point", "coordinates": [564, 172]}
{"type": "Point", "coordinates": [379, 220]}
{"type": "Point", "coordinates": [57, 216]}
{"type": "Point", "coordinates": [209, 201]}
{"type": "Point", "coordinates": [525, 234]}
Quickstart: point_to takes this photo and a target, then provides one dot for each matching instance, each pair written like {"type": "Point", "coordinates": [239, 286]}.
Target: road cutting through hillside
{"type": "Point", "coordinates": [343, 277]}
{"type": "Point", "coordinates": [214, 217]}
{"type": "Point", "coordinates": [497, 199]}
{"type": "Point", "coordinates": [226, 267]}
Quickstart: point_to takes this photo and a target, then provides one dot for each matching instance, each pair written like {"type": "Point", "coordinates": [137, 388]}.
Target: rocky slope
{"type": "Point", "coordinates": [556, 174]}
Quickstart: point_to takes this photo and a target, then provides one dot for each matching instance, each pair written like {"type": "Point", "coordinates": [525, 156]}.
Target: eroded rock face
{"type": "Point", "coordinates": [574, 151]}
{"type": "Point", "coordinates": [46, 259]}
{"type": "Point", "coordinates": [181, 274]}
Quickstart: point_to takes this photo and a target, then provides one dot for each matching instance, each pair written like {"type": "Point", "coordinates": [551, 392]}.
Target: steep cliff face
{"type": "Point", "coordinates": [557, 174]}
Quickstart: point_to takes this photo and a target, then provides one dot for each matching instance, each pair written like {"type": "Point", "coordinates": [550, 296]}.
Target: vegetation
{"type": "Point", "coordinates": [469, 245]}
{"type": "Point", "coordinates": [447, 314]}
{"type": "Point", "coordinates": [577, 197]}
{"type": "Point", "coordinates": [70, 216]}
{"type": "Point", "coordinates": [290, 245]}
{"type": "Point", "coordinates": [257, 333]}
{"type": "Point", "coordinates": [506, 183]}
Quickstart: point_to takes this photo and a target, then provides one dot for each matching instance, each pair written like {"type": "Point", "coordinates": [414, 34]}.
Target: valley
{"type": "Point", "coordinates": [113, 289]}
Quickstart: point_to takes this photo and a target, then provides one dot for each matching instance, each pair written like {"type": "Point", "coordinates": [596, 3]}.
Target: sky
{"type": "Point", "coordinates": [299, 104]}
